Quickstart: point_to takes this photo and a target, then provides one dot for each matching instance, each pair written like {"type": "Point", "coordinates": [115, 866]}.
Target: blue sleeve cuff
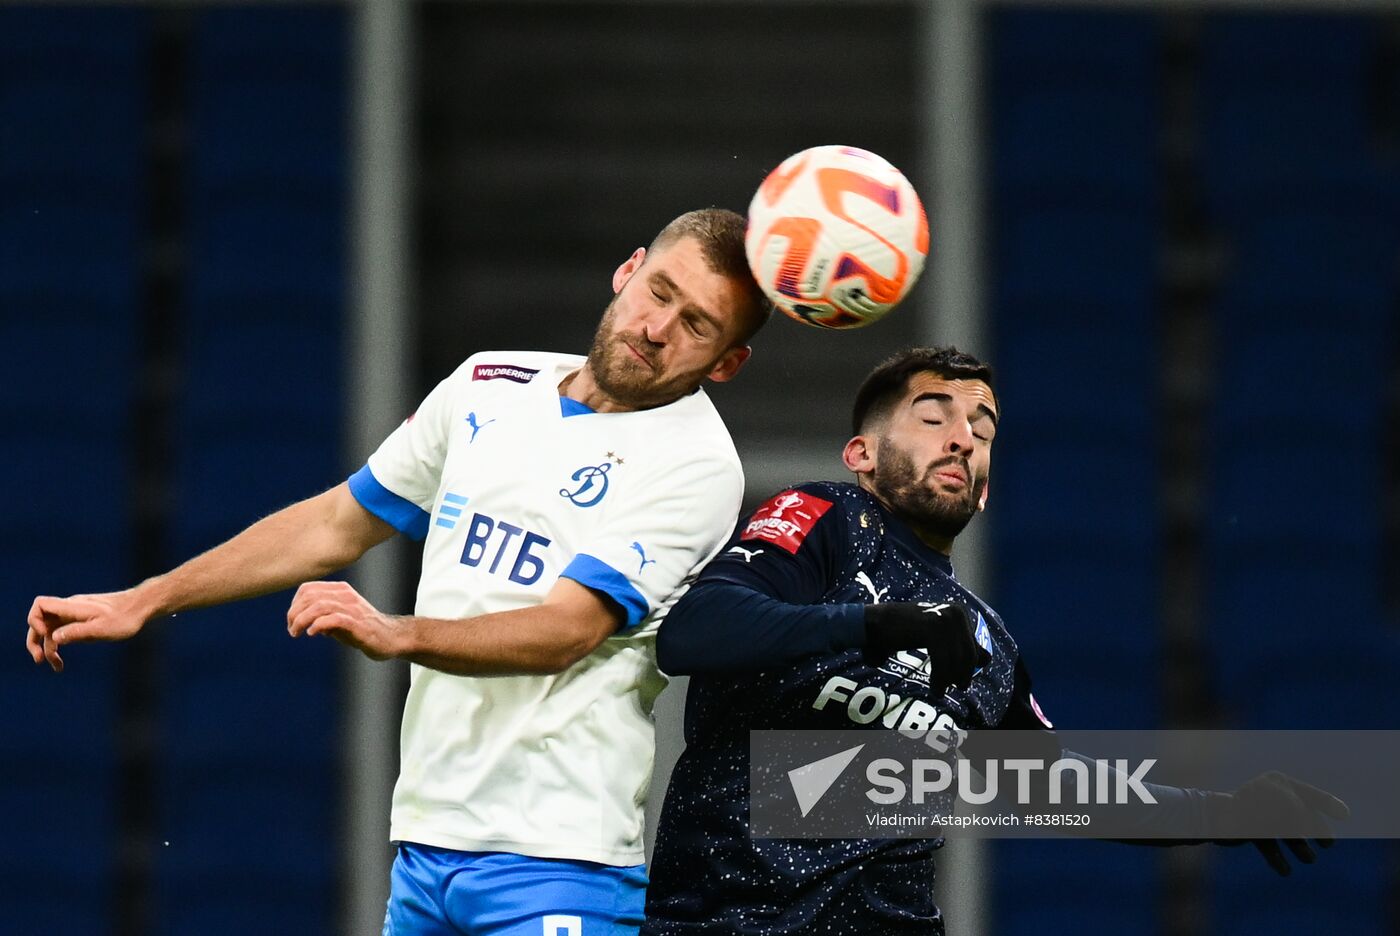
{"type": "Point", "coordinates": [601, 577]}
{"type": "Point", "coordinates": [399, 512]}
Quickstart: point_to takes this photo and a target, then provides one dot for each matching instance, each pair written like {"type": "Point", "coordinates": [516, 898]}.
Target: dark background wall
{"type": "Point", "coordinates": [1191, 271]}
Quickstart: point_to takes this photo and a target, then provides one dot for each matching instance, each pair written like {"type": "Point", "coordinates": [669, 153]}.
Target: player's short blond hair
{"type": "Point", "coordinates": [720, 233]}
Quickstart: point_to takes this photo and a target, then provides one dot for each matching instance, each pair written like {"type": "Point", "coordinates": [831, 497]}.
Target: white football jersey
{"type": "Point", "coordinates": [514, 486]}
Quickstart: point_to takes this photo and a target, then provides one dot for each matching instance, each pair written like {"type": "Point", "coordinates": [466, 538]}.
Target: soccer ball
{"type": "Point", "coordinates": [836, 236]}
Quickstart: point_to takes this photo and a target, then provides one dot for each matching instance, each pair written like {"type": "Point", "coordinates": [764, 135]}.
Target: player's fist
{"type": "Point", "coordinates": [336, 610]}
{"type": "Point", "coordinates": [945, 630]}
{"type": "Point", "coordinates": [59, 621]}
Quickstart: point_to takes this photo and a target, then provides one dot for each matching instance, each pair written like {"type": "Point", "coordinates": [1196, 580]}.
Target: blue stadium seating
{"type": "Point", "coordinates": [1285, 114]}
{"type": "Point", "coordinates": [1029, 47]}
{"type": "Point", "coordinates": [1077, 492]}
{"type": "Point", "coordinates": [1344, 892]}
{"type": "Point", "coordinates": [1074, 258]}
{"type": "Point", "coordinates": [248, 842]}
{"type": "Point", "coordinates": [1076, 146]}
{"type": "Point", "coordinates": [1067, 886]}
{"type": "Point", "coordinates": [72, 98]}
{"type": "Point", "coordinates": [250, 767]}
{"type": "Point", "coordinates": [1092, 263]}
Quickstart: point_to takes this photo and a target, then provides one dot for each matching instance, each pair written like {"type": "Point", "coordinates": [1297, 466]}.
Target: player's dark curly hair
{"type": "Point", "coordinates": [720, 233]}
{"type": "Point", "coordinates": [886, 384]}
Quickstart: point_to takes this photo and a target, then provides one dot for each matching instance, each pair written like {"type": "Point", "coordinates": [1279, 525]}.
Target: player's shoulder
{"type": "Point", "coordinates": [849, 497]}
{"type": "Point", "coordinates": [515, 367]}
{"type": "Point", "coordinates": [797, 509]}
{"type": "Point", "coordinates": [691, 430]}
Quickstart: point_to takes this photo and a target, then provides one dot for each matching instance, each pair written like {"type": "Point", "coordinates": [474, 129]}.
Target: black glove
{"type": "Point", "coordinates": [945, 630]}
{"type": "Point", "coordinates": [1275, 800]}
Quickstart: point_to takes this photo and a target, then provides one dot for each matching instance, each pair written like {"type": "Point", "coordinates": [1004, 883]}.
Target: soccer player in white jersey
{"type": "Point", "coordinates": [564, 503]}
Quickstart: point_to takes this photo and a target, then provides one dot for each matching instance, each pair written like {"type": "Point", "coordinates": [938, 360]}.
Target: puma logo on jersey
{"type": "Point", "coordinates": [748, 554]}
{"type": "Point", "coordinates": [476, 426]}
{"type": "Point", "coordinates": [875, 593]}
{"type": "Point", "coordinates": [643, 553]}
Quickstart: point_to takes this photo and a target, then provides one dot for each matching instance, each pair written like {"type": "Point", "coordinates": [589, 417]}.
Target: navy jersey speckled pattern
{"type": "Point", "coordinates": [707, 875]}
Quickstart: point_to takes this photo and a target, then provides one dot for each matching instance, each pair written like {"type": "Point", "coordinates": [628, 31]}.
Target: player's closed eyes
{"type": "Point", "coordinates": [939, 422]}
{"type": "Point", "coordinates": [698, 329]}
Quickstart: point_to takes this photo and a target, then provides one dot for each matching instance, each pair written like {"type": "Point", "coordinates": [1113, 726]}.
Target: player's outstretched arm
{"type": "Point", "coordinates": [309, 539]}
{"type": "Point", "coordinates": [548, 638]}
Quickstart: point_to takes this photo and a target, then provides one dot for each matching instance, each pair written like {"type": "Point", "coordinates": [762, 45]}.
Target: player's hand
{"type": "Point", "coordinates": [945, 630]}
{"type": "Point", "coordinates": [54, 622]}
{"type": "Point", "coordinates": [1277, 800]}
{"type": "Point", "coordinates": [337, 610]}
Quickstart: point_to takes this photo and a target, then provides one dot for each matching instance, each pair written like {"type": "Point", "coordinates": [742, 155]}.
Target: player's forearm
{"type": "Point", "coordinates": [525, 641]}
{"type": "Point", "coordinates": [307, 540]}
{"type": "Point", "coordinates": [720, 627]}
{"type": "Point", "coordinates": [1176, 816]}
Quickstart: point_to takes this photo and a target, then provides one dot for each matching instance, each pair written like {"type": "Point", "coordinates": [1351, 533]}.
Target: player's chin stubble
{"type": "Point", "coordinates": [614, 369]}
{"type": "Point", "coordinates": [908, 490]}
{"type": "Point", "coordinates": [625, 379]}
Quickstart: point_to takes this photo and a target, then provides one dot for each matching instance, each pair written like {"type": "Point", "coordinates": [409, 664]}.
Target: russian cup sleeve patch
{"type": "Point", "coordinates": [785, 520]}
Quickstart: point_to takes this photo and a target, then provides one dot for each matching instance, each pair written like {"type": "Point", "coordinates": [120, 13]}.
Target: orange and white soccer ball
{"type": "Point", "coordinates": [836, 236]}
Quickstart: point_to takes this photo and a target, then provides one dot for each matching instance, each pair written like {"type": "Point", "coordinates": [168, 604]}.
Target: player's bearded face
{"type": "Point", "coordinates": [632, 370]}
{"type": "Point", "coordinates": [913, 490]}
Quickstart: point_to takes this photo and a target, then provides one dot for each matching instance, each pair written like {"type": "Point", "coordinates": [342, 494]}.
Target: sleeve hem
{"type": "Point", "coordinates": [597, 575]}
{"type": "Point", "coordinates": [397, 511]}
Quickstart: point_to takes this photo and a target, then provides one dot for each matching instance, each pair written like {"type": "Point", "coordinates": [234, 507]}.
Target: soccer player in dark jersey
{"type": "Point", "coordinates": [837, 607]}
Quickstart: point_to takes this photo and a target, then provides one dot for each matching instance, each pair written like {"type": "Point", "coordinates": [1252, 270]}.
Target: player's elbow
{"type": "Point", "coordinates": [674, 653]}
{"type": "Point", "coordinates": [571, 645]}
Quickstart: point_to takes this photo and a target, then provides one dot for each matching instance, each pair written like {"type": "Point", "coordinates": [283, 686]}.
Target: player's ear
{"type": "Point", "coordinates": [629, 266]}
{"type": "Point", "coordinates": [859, 455]}
{"type": "Point", "coordinates": [729, 365]}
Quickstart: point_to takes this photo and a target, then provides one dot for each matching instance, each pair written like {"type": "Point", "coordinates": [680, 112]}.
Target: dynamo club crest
{"type": "Point", "coordinates": [591, 484]}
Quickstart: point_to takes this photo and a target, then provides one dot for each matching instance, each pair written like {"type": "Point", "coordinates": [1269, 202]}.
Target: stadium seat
{"type": "Point", "coordinates": [43, 395]}
{"type": "Point", "coordinates": [1301, 492]}
{"type": "Point", "coordinates": [228, 476]}
{"type": "Point", "coordinates": [297, 155]}
{"type": "Point", "coordinates": [1261, 393]}
{"type": "Point", "coordinates": [1053, 376]}
{"type": "Point", "coordinates": [1102, 260]}
{"type": "Point", "coordinates": [249, 770]}
{"type": "Point", "coordinates": [71, 217]}
{"type": "Point", "coordinates": [56, 156]}
{"type": "Point", "coordinates": [68, 246]}
{"type": "Point", "coordinates": [1098, 597]}
{"type": "Point", "coordinates": [1307, 647]}
{"type": "Point", "coordinates": [1078, 491]}
{"type": "Point", "coordinates": [1333, 262]}
{"type": "Point", "coordinates": [282, 249]}
{"type": "Point", "coordinates": [1025, 46]}
{"type": "Point", "coordinates": [298, 368]}
{"type": "Point", "coordinates": [1285, 114]}
{"type": "Point", "coordinates": [66, 483]}
{"type": "Point", "coordinates": [1344, 892]}
{"type": "Point", "coordinates": [1059, 886]}
{"type": "Point", "coordinates": [246, 844]}
{"type": "Point", "coordinates": [1075, 146]}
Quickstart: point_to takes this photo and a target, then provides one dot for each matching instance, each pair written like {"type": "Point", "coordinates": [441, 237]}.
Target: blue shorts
{"type": "Point", "coordinates": [441, 892]}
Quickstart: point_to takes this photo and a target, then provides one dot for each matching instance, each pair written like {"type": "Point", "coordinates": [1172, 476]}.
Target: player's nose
{"type": "Point", "coordinates": [658, 328]}
{"type": "Point", "coordinates": [959, 436]}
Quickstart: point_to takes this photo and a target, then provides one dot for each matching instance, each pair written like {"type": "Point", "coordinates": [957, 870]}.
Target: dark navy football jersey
{"type": "Point", "coordinates": [820, 542]}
